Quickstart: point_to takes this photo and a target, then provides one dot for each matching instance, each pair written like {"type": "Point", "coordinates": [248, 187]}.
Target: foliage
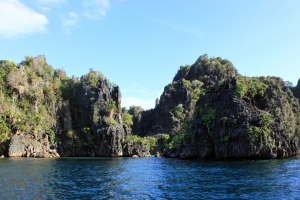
{"type": "Point", "coordinates": [110, 121]}
{"type": "Point", "coordinates": [127, 119]}
{"type": "Point", "coordinates": [92, 79]}
{"type": "Point", "coordinates": [253, 132]}
{"type": "Point", "coordinates": [182, 72]}
{"type": "Point", "coordinates": [225, 139]}
{"type": "Point", "coordinates": [266, 118]}
{"type": "Point", "coordinates": [171, 87]}
{"type": "Point", "coordinates": [178, 112]}
{"type": "Point", "coordinates": [241, 90]}
{"type": "Point", "coordinates": [224, 120]}
{"type": "Point", "coordinates": [209, 118]}
{"type": "Point", "coordinates": [251, 86]}
{"type": "Point", "coordinates": [149, 142]}
{"type": "Point", "coordinates": [177, 139]}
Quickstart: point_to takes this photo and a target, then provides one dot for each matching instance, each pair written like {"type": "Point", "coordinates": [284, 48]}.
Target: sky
{"type": "Point", "coordinates": [140, 44]}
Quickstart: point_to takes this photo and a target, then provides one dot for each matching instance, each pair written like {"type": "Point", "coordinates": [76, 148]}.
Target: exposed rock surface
{"type": "Point", "coordinates": [177, 102]}
{"type": "Point", "coordinates": [221, 114]}
{"type": "Point", "coordinates": [26, 146]}
{"type": "Point", "coordinates": [85, 119]}
{"type": "Point", "coordinates": [222, 122]}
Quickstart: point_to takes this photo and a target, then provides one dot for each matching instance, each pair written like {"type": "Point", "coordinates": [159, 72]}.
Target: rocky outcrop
{"type": "Point", "coordinates": [177, 102]}
{"type": "Point", "coordinates": [136, 148]}
{"type": "Point", "coordinates": [2, 150]}
{"type": "Point", "coordinates": [85, 119]}
{"type": "Point", "coordinates": [296, 90]}
{"type": "Point", "coordinates": [27, 146]}
{"type": "Point", "coordinates": [227, 126]}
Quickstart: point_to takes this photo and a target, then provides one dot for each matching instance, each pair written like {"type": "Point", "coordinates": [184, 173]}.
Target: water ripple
{"type": "Point", "coordinates": [148, 178]}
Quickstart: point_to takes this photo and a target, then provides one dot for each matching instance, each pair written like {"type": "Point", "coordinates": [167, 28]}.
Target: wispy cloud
{"type": "Point", "coordinates": [51, 2]}
{"type": "Point", "coordinates": [145, 103]}
{"type": "Point", "coordinates": [187, 30]}
{"type": "Point", "coordinates": [46, 5]}
{"type": "Point", "coordinates": [95, 9]}
{"type": "Point", "coordinates": [69, 21]}
{"type": "Point", "coordinates": [18, 19]}
{"type": "Point", "coordinates": [139, 96]}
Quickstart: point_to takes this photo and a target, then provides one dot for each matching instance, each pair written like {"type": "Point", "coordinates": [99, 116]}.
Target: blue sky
{"type": "Point", "coordinates": [140, 44]}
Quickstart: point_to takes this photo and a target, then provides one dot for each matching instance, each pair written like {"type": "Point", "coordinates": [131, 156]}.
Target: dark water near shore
{"type": "Point", "coordinates": [148, 178]}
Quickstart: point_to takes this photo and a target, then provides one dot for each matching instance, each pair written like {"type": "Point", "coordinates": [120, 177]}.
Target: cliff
{"type": "Point", "coordinates": [226, 125]}
{"type": "Point", "coordinates": [46, 114]}
{"type": "Point", "coordinates": [210, 111]}
{"type": "Point", "coordinates": [177, 102]}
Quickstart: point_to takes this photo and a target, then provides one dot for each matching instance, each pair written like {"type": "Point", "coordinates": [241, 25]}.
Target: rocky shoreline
{"type": "Point", "coordinates": [208, 111]}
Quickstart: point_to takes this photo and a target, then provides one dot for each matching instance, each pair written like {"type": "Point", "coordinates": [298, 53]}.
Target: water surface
{"type": "Point", "coordinates": [148, 178]}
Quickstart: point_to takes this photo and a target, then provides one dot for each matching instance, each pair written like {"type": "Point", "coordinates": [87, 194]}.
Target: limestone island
{"type": "Point", "coordinates": [208, 111]}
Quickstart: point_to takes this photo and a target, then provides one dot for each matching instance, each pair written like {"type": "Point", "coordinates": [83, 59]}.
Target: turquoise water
{"type": "Point", "coordinates": [148, 178]}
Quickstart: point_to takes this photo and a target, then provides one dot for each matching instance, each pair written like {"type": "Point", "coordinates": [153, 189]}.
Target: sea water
{"type": "Point", "coordinates": [148, 178]}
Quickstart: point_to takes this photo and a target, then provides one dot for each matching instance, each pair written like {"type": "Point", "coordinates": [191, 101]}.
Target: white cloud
{"type": "Point", "coordinates": [46, 5]}
{"type": "Point", "coordinates": [139, 96]}
{"type": "Point", "coordinates": [51, 2]}
{"type": "Point", "coordinates": [69, 21]}
{"type": "Point", "coordinates": [145, 103]}
{"type": "Point", "coordinates": [17, 19]}
{"type": "Point", "coordinates": [95, 9]}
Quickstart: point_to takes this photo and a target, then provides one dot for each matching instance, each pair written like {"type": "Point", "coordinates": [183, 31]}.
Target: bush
{"type": "Point", "coordinates": [266, 118]}
{"type": "Point", "coordinates": [127, 119]}
{"type": "Point", "coordinates": [224, 120]}
{"type": "Point", "coordinates": [241, 90]}
{"type": "Point", "coordinates": [176, 140]}
{"type": "Point", "coordinates": [253, 132]}
{"type": "Point", "coordinates": [178, 112]}
{"type": "Point", "coordinates": [209, 118]}
{"type": "Point", "coordinates": [110, 121]}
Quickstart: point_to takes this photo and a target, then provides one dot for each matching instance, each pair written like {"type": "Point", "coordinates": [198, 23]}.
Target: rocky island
{"type": "Point", "coordinates": [208, 111]}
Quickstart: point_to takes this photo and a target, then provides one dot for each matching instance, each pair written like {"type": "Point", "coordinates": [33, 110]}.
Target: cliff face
{"type": "Point", "coordinates": [208, 111]}
{"type": "Point", "coordinates": [177, 103]}
{"type": "Point", "coordinates": [213, 112]}
{"type": "Point", "coordinates": [55, 115]}
{"type": "Point", "coordinates": [296, 90]}
{"type": "Point", "coordinates": [227, 126]}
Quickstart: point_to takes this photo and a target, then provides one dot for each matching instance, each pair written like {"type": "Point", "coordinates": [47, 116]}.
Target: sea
{"type": "Point", "coordinates": [148, 178]}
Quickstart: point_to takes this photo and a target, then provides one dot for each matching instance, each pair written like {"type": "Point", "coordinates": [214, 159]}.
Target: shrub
{"type": "Point", "coordinates": [209, 118]}
{"type": "Point", "coordinates": [178, 112]}
{"type": "Point", "coordinates": [225, 139]}
{"type": "Point", "coordinates": [224, 120]}
{"type": "Point", "coordinates": [241, 90]}
{"type": "Point", "coordinates": [176, 141]}
{"type": "Point", "coordinates": [110, 121]}
{"type": "Point", "coordinates": [266, 118]}
{"type": "Point", "coordinates": [127, 119]}
{"type": "Point", "coordinates": [253, 132]}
